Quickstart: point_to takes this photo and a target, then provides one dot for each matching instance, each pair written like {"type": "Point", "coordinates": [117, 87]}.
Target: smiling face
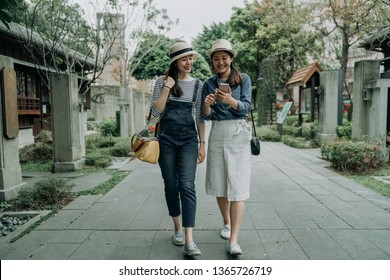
{"type": "Point", "coordinates": [184, 64]}
{"type": "Point", "coordinates": [221, 63]}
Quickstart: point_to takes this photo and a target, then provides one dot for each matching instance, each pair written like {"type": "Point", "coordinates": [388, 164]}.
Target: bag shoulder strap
{"type": "Point", "coordinates": [253, 123]}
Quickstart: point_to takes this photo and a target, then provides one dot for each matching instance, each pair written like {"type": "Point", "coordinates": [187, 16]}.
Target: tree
{"type": "Point", "coordinates": [344, 23]}
{"type": "Point", "coordinates": [156, 62]}
{"type": "Point", "coordinates": [203, 42]}
{"type": "Point", "coordinates": [70, 39]}
{"type": "Point", "coordinates": [271, 41]}
{"type": "Point", "coordinates": [5, 11]}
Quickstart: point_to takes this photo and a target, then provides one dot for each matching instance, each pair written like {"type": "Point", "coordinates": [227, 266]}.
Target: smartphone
{"type": "Point", "coordinates": [224, 87]}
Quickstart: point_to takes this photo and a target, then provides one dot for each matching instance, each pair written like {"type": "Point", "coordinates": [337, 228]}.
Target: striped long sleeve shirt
{"type": "Point", "coordinates": [188, 90]}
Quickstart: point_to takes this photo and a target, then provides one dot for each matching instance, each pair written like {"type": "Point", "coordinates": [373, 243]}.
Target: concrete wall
{"type": "Point", "coordinates": [366, 71]}
{"type": "Point", "coordinates": [26, 137]}
{"type": "Point", "coordinates": [105, 102]}
{"type": "Point", "coordinates": [10, 171]}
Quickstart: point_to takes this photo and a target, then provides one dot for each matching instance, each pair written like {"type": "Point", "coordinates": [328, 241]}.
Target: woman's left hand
{"type": "Point", "coordinates": [201, 153]}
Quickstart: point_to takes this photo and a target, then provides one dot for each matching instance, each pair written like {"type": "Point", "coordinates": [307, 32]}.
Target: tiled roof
{"type": "Point", "coordinates": [301, 76]}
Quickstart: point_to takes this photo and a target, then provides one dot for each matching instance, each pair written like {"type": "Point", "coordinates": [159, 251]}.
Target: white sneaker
{"type": "Point", "coordinates": [178, 238]}
{"type": "Point", "coordinates": [191, 249]}
{"type": "Point", "coordinates": [234, 249]}
{"type": "Point", "coordinates": [225, 232]}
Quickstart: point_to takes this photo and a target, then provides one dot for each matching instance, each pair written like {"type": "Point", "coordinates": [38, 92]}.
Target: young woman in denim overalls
{"type": "Point", "coordinates": [177, 99]}
{"type": "Point", "coordinates": [229, 156]}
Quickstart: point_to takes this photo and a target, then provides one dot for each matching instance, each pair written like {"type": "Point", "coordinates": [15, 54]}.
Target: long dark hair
{"type": "Point", "coordinates": [235, 77]}
{"type": "Point", "coordinates": [173, 72]}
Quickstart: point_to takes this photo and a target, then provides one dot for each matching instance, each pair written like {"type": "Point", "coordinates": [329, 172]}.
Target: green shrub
{"type": "Point", "coordinates": [109, 127]}
{"type": "Point", "coordinates": [298, 142]}
{"type": "Point", "coordinates": [291, 120]}
{"type": "Point", "coordinates": [45, 194]}
{"type": "Point", "coordinates": [98, 141]}
{"type": "Point", "coordinates": [98, 160]}
{"type": "Point", "coordinates": [344, 131]}
{"type": "Point", "coordinates": [266, 133]}
{"type": "Point", "coordinates": [121, 149]}
{"type": "Point", "coordinates": [309, 130]}
{"type": "Point", "coordinates": [36, 152]}
{"type": "Point", "coordinates": [290, 130]}
{"type": "Point", "coordinates": [354, 157]}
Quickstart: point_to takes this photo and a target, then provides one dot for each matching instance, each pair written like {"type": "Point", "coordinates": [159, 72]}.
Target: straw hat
{"type": "Point", "coordinates": [221, 45]}
{"type": "Point", "coordinates": [180, 50]}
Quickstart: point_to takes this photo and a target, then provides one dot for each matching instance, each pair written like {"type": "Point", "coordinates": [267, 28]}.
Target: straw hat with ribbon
{"type": "Point", "coordinates": [181, 49]}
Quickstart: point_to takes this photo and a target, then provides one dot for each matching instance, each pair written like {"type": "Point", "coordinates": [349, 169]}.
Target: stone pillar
{"type": "Point", "coordinates": [328, 105]}
{"type": "Point", "coordinates": [67, 145]}
{"type": "Point", "coordinates": [365, 71]}
{"type": "Point", "coordinates": [124, 113]}
{"type": "Point", "coordinates": [131, 114]}
{"type": "Point", "coordinates": [10, 171]}
{"type": "Point", "coordinates": [140, 113]}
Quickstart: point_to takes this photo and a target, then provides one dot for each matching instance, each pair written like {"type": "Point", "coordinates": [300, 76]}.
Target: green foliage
{"type": "Point", "coordinates": [290, 130]}
{"type": "Point", "coordinates": [62, 23]}
{"type": "Point", "coordinates": [353, 156]}
{"type": "Point", "coordinates": [152, 61]}
{"type": "Point", "coordinates": [98, 141]}
{"type": "Point", "coordinates": [45, 194]}
{"type": "Point", "coordinates": [121, 148]}
{"type": "Point", "coordinates": [309, 130]}
{"type": "Point", "coordinates": [36, 152]}
{"type": "Point", "coordinates": [109, 127]}
{"type": "Point", "coordinates": [299, 142]}
{"type": "Point", "coordinates": [9, 10]}
{"type": "Point", "coordinates": [97, 159]}
{"type": "Point", "coordinates": [155, 61]}
{"type": "Point", "coordinates": [344, 131]}
{"type": "Point", "coordinates": [203, 42]}
{"type": "Point", "coordinates": [37, 166]}
{"type": "Point", "coordinates": [268, 134]}
{"type": "Point", "coordinates": [291, 121]}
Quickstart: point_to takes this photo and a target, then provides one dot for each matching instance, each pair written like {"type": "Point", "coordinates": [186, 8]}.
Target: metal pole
{"type": "Point", "coordinates": [270, 94]}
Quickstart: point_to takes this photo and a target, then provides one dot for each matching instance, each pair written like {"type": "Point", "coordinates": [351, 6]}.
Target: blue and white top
{"type": "Point", "coordinates": [221, 111]}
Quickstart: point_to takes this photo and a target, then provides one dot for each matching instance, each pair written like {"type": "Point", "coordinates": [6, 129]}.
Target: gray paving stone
{"type": "Point", "coordinates": [380, 238]}
{"type": "Point", "coordinates": [82, 202]}
{"type": "Point", "coordinates": [264, 216]}
{"type": "Point", "coordinates": [98, 246]}
{"type": "Point", "coordinates": [133, 245]}
{"type": "Point", "coordinates": [281, 245]}
{"type": "Point", "coordinates": [91, 218]}
{"type": "Point", "coordinates": [61, 220]}
{"type": "Point", "coordinates": [357, 245]}
{"type": "Point", "coordinates": [90, 181]}
{"type": "Point", "coordinates": [299, 209]}
{"type": "Point", "coordinates": [70, 236]}
{"type": "Point", "coordinates": [318, 245]}
{"type": "Point", "coordinates": [54, 252]}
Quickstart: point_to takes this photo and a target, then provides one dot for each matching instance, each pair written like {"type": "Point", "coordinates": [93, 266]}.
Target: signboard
{"type": "Point", "coordinates": [284, 113]}
{"type": "Point", "coordinates": [9, 100]}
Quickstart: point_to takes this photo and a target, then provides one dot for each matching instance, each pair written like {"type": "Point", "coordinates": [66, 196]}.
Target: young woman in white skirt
{"type": "Point", "coordinates": [229, 155]}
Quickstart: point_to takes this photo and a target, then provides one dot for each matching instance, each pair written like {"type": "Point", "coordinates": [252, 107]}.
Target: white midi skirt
{"type": "Point", "coordinates": [229, 160]}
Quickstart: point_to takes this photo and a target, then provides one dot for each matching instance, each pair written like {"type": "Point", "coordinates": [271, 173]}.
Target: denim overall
{"type": "Point", "coordinates": [178, 158]}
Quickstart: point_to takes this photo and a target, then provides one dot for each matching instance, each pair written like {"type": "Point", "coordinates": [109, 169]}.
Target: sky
{"type": "Point", "coordinates": [194, 14]}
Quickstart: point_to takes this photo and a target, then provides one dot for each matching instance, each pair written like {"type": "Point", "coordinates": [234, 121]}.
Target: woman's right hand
{"type": "Point", "coordinates": [169, 82]}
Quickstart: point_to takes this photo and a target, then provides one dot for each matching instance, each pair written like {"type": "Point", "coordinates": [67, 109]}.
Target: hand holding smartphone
{"type": "Point", "coordinates": [224, 87]}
